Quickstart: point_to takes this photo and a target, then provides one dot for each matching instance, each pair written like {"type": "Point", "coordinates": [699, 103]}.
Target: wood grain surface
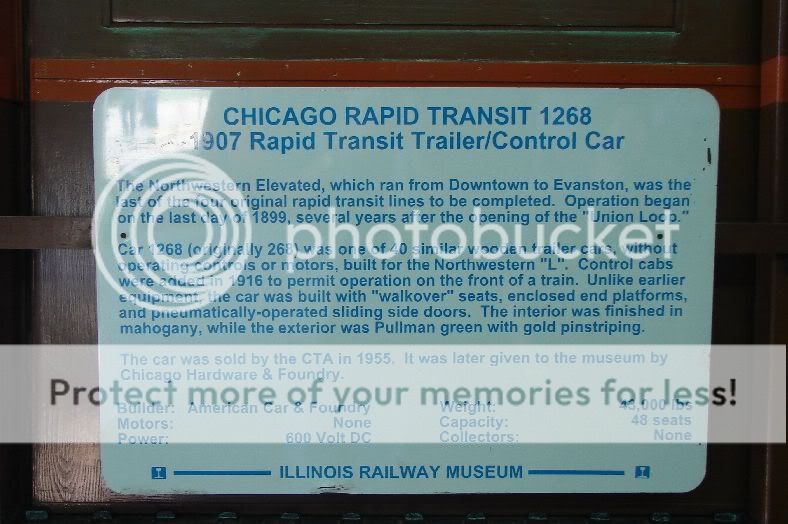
{"type": "Point", "coordinates": [719, 39]}
{"type": "Point", "coordinates": [706, 31]}
{"type": "Point", "coordinates": [563, 14]}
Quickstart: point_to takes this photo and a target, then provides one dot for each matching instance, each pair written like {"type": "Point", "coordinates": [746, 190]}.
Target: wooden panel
{"type": "Point", "coordinates": [62, 160]}
{"type": "Point", "coordinates": [690, 31]}
{"type": "Point", "coordinates": [738, 156]}
{"type": "Point", "coordinates": [10, 50]}
{"type": "Point", "coordinates": [734, 297]}
{"type": "Point", "coordinates": [30, 232]}
{"type": "Point", "coordinates": [502, 13]}
{"type": "Point", "coordinates": [705, 31]}
{"type": "Point", "coordinates": [12, 187]}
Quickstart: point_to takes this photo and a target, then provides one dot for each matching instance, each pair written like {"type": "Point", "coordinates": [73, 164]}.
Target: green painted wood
{"type": "Point", "coordinates": [706, 31]}
{"type": "Point", "coordinates": [504, 13]}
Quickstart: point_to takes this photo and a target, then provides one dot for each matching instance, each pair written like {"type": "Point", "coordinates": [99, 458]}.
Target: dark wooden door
{"type": "Point", "coordinates": [733, 48]}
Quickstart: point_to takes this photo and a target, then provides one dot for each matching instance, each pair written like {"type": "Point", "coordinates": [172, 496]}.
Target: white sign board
{"type": "Point", "coordinates": [404, 235]}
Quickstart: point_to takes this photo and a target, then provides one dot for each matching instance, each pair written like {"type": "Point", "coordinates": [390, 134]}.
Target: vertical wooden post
{"type": "Point", "coordinates": [15, 463]}
{"type": "Point", "coordinates": [768, 483]}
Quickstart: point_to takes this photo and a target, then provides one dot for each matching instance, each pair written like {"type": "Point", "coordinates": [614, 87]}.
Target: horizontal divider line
{"type": "Point", "coordinates": [222, 472]}
{"type": "Point", "coordinates": [575, 472]}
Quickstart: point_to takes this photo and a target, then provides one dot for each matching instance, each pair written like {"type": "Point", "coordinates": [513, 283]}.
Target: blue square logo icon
{"type": "Point", "coordinates": [642, 472]}
{"type": "Point", "coordinates": [158, 473]}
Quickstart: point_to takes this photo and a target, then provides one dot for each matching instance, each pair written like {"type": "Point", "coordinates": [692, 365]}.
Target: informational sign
{"type": "Point", "coordinates": [297, 238]}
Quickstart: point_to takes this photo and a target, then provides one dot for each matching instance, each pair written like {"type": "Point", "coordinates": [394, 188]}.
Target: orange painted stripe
{"type": "Point", "coordinates": [328, 70]}
{"type": "Point", "coordinates": [735, 86]}
{"type": "Point", "coordinates": [729, 97]}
